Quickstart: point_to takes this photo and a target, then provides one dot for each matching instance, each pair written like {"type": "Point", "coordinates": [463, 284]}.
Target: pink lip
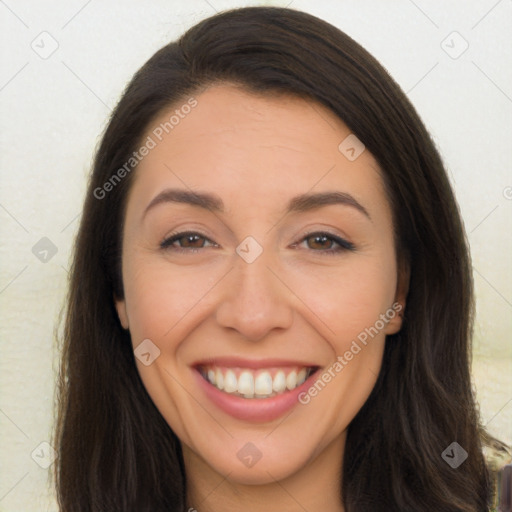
{"type": "Point", "coordinates": [253, 409]}
{"type": "Point", "coordinates": [232, 362]}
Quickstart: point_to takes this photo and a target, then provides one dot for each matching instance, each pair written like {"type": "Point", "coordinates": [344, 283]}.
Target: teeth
{"type": "Point", "coordinates": [263, 384]}
{"type": "Point", "coordinates": [246, 384]}
{"type": "Point", "coordinates": [230, 382]}
{"type": "Point", "coordinates": [279, 384]}
{"type": "Point", "coordinates": [301, 376]}
{"type": "Point", "coordinates": [219, 379]}
{"type": "Point", "coordinates": [291, 380]}
{"type": "Point", "coordinates": [253, 383]}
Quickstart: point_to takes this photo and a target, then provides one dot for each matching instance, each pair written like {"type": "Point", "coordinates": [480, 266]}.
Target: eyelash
{"type": "Point", "coordinates": [343, 245]}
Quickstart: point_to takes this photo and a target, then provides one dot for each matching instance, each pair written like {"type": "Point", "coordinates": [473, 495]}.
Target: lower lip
{"type": "Point", "coordinates": [253, 409]}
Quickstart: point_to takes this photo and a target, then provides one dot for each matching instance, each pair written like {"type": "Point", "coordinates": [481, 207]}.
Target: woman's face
{"type": "Point", "coordinates": [285, 272]}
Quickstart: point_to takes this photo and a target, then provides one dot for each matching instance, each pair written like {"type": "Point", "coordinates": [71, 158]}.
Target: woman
{"type": "Point", "coordinates": [271, 299]}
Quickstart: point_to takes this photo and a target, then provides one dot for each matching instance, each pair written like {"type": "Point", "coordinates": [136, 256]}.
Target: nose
{"type": "Point", "coordinates": [255, 300]}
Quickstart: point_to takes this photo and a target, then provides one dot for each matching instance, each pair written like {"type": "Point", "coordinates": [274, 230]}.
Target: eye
{"type": "Point", "coordinates": [322, 242]}
{"type": "Point", "coordinates": [326, 243]}
{"type": "Point", "coordinates": [189, 241]}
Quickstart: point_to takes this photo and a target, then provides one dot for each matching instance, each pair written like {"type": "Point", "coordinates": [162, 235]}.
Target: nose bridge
{"type": "Point", "coordinates": [254, 280]}
{"type": "Point", "coordinates": [255, 301]}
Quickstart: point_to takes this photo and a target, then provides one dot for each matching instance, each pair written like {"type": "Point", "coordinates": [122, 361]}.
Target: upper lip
{"type": "Point", "coordinates": [232, 362]}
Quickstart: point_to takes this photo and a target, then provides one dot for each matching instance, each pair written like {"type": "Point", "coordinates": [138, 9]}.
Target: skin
{"type": "Point", "coordinates": [295, 301]}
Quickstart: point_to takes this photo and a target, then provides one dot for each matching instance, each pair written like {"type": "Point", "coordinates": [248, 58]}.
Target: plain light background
{"type": "Point", "coordinates": [54, 108]}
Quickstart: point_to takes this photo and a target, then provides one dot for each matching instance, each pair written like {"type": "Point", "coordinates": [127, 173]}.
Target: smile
{"type": "Point", "coordinates": [256, 383]}
{"type": "Point", "coordinates": [255, 390]}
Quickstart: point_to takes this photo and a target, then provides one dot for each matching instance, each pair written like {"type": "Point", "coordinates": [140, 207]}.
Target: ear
{"type": "Point", "coordinates": [402, 288]}
{"type": "Point", "coordinates": [120, 305]}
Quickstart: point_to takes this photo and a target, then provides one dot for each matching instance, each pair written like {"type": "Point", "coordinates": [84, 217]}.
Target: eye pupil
{"type": "Point", "coordinates": [190, 239]}
{"type": "Point", "coordinates": [320, 239]}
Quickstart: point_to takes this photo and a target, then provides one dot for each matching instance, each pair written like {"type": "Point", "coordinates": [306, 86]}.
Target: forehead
{"type": "Point", "coordinates": [226, 115]}
{"type": "Point", "coordinates": [247, 146]}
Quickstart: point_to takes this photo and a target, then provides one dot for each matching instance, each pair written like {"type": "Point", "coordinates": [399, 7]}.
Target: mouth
{"type": "Point", "coordinates": [255, 391]}
{"type": "Point", "coordinates": [256, 383]}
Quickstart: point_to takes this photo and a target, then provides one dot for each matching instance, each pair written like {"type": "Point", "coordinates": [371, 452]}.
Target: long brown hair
{"type": "Point", "coordinates": [116, 452]}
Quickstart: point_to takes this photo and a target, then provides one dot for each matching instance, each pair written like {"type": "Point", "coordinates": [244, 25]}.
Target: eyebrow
{"type": "Point", "coordinates": [298, 204]}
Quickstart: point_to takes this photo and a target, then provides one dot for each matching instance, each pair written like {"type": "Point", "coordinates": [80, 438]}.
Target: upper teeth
{"type": "Point", "coordinates": [255, 383]}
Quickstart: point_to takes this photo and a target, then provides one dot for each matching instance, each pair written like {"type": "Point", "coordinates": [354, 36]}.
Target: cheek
{"type": "Point", "coordinates": [159, 295]}
{"type": "Point", "coordinates": [351, 304]}
{"type": "Point", "coordinates": [351, 298]}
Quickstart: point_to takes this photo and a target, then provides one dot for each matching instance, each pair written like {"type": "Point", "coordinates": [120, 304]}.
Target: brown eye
{"type": "Point", "coordinates": [191, 241]}
{"type": "Point", "coordinates": [325, 243]}
{"type": "Point", "coordinates": [185, 241]}
{"type": "Point", "coordinates": [320, 242]}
